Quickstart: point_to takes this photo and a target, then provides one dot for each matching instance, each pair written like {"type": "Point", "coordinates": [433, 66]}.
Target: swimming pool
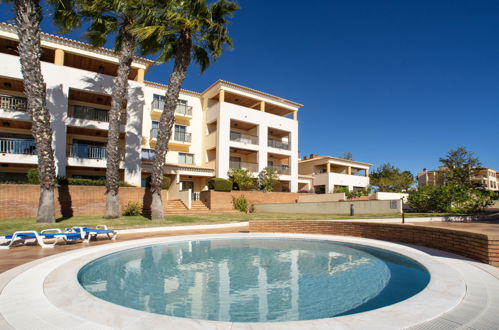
{"type": "Point", "coordinates": [254, 279]}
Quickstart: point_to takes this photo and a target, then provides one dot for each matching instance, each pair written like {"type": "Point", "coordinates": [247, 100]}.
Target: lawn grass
{"type": "Point", "coordinates": [8, 226]}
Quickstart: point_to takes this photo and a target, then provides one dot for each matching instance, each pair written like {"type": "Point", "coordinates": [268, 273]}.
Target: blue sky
{"type": "Point", "coordinates": [388, 80]}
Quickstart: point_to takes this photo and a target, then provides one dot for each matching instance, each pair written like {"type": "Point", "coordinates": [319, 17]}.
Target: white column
{"type": "Point", "coordinates": [294, 158]}
{"type": "Point", "coordinates": [223, 138]}
{"type": "Point", "coordinates": [57, 104]}
{"type": "Point", "coordinates": [133, 134]}
{"type": "Point", "coordinates": [262, 146]}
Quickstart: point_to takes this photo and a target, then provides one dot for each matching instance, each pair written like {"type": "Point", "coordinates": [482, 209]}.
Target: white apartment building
{"type": "Point", "coordinates": [226, 126]}
{"type": "Point", "coordinates": [323, 173]}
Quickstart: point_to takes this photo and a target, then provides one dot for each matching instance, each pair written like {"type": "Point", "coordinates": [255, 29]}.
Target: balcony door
{"type": "Point", "coordinates": [180, 132]}
{"type": "Point", "coordinates": [89, 149]}
{"type": "Point", "coordinates": [235, 162]}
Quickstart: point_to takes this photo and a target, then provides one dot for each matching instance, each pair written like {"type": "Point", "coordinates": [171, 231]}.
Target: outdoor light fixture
{"type": "Point", "coordinates": [7, 84]}
{"type": "Point", "coordinates": [99, 99]}
{"type": "Point", "coordinates": [101, 67]}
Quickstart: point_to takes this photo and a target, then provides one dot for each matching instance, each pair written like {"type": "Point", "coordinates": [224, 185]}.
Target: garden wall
{"type": "Point", "coordinates": [221, 201]}
{"type": "Point", "coordinates": [343, 207]}
{"type": "Point", "coordinates": [481, 247]}
{"type": "Point", "coordinates": [21, 201]}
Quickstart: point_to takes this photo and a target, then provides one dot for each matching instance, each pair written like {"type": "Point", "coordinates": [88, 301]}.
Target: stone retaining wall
{"type": "Point", "coordinates": [481, 247]}
{"type": "Point", "coordinates": [21, 201]}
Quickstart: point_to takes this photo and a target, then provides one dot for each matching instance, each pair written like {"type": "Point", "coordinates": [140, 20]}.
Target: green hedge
{"type": "Point", "coordinates": [167, 181]}
{"type": "Point", "coordinates": [87, 182]}
{"type": "Point", "coordinates": [219, 184]}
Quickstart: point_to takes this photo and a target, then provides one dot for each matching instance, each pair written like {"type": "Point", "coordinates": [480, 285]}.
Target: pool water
{"type": "Point", "coordinates": [254, 279]}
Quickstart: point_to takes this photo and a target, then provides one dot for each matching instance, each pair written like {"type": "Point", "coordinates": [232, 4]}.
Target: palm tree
{"type": "Point", "coordinates": [28, 19]}
{"type": "Point", "coordinates": [106, 18]}
{"type": "Point", "coordinates": [181, 30]}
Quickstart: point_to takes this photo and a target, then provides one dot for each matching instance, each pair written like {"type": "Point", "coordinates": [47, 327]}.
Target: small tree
{"type": "Point", "coordinates": [268, 178]}
{"type": "Point", "coordinates": [389, 178]}
{"type": "Point", "coordinates": [460, 166]}
{"type": "Point", "coordinates": [241, 178]}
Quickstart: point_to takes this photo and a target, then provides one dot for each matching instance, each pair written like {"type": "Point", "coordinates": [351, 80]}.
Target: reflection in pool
{"type": "Point", "coordinates": [254, 279]}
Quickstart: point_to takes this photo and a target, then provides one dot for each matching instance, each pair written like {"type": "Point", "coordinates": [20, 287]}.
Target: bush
{"type": "Point", "coordinates": [358, 193]}
{"type": "Point", "coordinates": [450, 198]}
{"type": "Point", "coordinates": [87, 182]}
{"type": "Point", "coordinates": [241, 204]}
{"type": "Point", "coordinates": [340, 189]}
{"type": "Point", "coordinates": [167, 181]}
{"type": "Point", "coordinates": [219, 184]}
{"type": "Point", "coordinates": [133, 209]}
{"type": "Point", "coordinates": [33, 176]}
{"type": "Point", "coordinates": [241, 179]}
{"type": "Point", "coordinates": [267, 178]}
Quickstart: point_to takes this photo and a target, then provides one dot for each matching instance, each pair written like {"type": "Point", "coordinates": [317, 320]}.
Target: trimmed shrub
{"type": "Point", "coordinates": [241, 204]}
{"type": "Point", "coordinates": [33, 176]}
{"type": "Point", "coordinates": [219, 184]}
{"type": "Point", "coordinates": [241, 179]}
{"type": "Point", "coordinates": [268, 178]}
{"type": "Point", "coordinates": [167, 181]}
{"type": "Point", "coordinates": [133, 209]}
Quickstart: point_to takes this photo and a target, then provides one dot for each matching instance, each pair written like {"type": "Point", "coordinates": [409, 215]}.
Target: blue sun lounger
{"type": "Point", "coordinates": [20, 237]}
{"type": "Point", "coordinates": [87, 234]}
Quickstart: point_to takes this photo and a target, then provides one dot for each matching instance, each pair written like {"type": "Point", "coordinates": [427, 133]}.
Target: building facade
{"type": "Point", "coordinates": [226, 126]}
{"type": "Point", "coordinates": [486, 177]}
{"type": "Point", "coordinates": [323, 173]}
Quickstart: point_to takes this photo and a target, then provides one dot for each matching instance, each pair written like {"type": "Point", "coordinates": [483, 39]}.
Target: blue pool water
{"type": "Point", "coordinates": [254, 279]}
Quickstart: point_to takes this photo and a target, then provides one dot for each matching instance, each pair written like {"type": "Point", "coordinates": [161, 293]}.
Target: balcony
{"type": "Point", "coordinates": [13, 103]}
{"type": "Point", "coordinates": [278, 144]}
{"type": "Point", "coordinates": [181, 110]}
{"type": "Point", "coordinates": [243, 138]}
{"type": "Point", "coordinates": [252, 167]}
{"type": "Point", "coordinates": [176, 137]}
{"type": "Point", "coordinates": [90, 113]}
{"type": "Point", "coordinates": [282, 169]}
{"type": "Point", "coordinates": [86, 151]}
{"type": "Point", "coordinates": [17, 146]}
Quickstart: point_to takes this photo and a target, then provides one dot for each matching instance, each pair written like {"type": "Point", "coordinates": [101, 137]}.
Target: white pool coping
{"type": "Point", "coordinates": [45, 294]}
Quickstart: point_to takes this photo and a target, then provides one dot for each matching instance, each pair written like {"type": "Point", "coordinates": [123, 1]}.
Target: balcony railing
{"type": "Point", "coordinates": [283, 169]}
{"type": "Point", "coordinates": [253, 167]}
{"type": "Point", "coordinates": [243, 137]}
{"type": "Point", "coordinates": [90, 113]}
{"type": "Point", "coordinates": [177, 136]}
{"type": "Point", "coordinates": [182, 109]}
{"type": "Point", "coordinates": [13, 103]}
{"type": "Point", "coordinates": [17, 146]}
{"type": "Point", "coordinates": [86, 151]}
{"type": "Point", "coordinates": [278, 144]}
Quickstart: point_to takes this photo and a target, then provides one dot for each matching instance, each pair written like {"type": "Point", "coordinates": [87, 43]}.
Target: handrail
{"type": "Point", "coordinates": [283, 169]}
{"type": "Point", "coordinates": [86, 151]}
{"type": "Point", "coordinates": [17, 146]}
{"type": "Point", "coordinates": [91, 113]}
{"type": "Point", "coordinates": [177, 136]}
{"type": "Point", "coordinates": [278, 144]}
{"type": "Point", "coordinates": [243, 137]}
{"type": "Point", "coordinates": [13, 103]}
{"type": "Point", "coordinates": [253, 167]}
{"type": "Point", "coordinates": [181, 108]}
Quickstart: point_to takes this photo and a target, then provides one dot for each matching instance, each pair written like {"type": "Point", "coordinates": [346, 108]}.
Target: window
{"type": "Point", "coordinates": [184, 158]}
{"type": "Point", "coordinates": [180, 133]}
{"type": "Point", "coordinates": [154, 129]}
{"type": "Point", "coordinates": [147, 154]}
{"type": "Point", "coordinates": [270, 163]}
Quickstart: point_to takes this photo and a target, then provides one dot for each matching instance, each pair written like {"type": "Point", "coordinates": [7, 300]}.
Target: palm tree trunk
{"type": "Point", "coordinates": [167, 120]}
{"type": "Point", "coordinates": [28, 18]}
{"type": "Point", "coordinates": [120, 90]}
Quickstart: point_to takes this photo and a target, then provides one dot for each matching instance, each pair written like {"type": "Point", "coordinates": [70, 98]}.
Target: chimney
{"type": "Point", "coordinates": [305, 157]}
{"type": "Point", "coordinates": [312, 156]}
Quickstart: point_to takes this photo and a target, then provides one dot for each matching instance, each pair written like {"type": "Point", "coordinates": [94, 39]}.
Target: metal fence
{"type": "Point", "coordinates": [17, 146]}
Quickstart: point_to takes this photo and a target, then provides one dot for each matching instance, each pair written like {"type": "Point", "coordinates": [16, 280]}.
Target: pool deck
{"type": "Point", "coordinates": [477, 310]}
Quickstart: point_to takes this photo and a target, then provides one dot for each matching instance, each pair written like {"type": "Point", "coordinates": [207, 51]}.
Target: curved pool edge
{"type": "Point", "coordinates": [57, 297]}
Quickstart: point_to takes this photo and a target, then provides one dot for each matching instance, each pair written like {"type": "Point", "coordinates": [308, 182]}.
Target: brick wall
{"type": "Point", "coordinates": [481, 247]}
{"type": "Point", "coordinates": [21, 201]}
{"type": "Point", "coordinates": [221, 201]}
